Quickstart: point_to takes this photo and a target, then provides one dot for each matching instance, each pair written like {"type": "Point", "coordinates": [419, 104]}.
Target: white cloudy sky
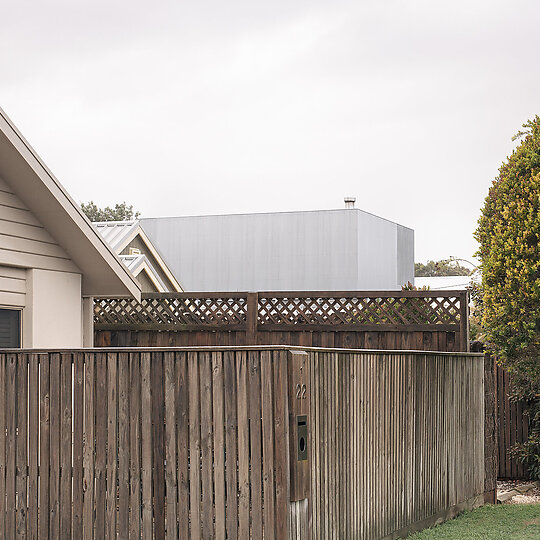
{"type": "Point", "coordinates": [198, 107]}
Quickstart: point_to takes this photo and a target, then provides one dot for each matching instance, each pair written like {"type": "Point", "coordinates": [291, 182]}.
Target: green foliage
{"type": "Point", "coordinates": [410, 287]}
{"type": "Point", "coordinates": [120, 212]}
{"type": "Point", "coordinates": [509, 236]}
{"type": "Point", "coordinates": [476, 296]}
{"type": "Point", "coordinates": [446, 267]}
{"type": "Point", "coordinates": [529, 454]}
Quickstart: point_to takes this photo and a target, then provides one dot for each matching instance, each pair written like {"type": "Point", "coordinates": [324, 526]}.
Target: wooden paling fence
{"type": "Point", "coordinates": [133, 443]}
{"type": "Point", "coordinates": [513, 428]}
{"type": "Point", "coordinates": [401, 441]}
{"type": "Point", "coordinates": [412, 320]}
{"type": "Point", "coordinates": [267, 442]}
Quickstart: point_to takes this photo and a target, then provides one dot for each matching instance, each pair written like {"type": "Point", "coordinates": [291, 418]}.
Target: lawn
{"type": "Point", "coordinates": [504, 521]}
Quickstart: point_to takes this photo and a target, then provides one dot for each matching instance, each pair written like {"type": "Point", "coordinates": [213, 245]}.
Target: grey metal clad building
{"type": "Point", "coordinates": [346, 249]}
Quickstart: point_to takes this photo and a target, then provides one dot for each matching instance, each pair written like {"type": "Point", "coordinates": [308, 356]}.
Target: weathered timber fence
{"type": "Point", "coordinates": [390, 320]}
{"type": "Point", "coordinates": [201, 442]}
{"type": "Point", "coordinates": [401, 441]}
{"type": "Point", "coordinates": [513, 428]}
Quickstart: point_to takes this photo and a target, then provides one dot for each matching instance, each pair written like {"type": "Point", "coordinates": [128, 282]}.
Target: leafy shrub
{"type": "Point", "coordinates": [509, 236]}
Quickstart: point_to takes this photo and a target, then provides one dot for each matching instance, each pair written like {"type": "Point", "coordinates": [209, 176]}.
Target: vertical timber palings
{"type": "Point", "coordinates": [11, 426]}
{"type": "Point", "coordinates": [170, 445]}
{"type": "Point", "coordinates": [54, 472]}
{"type": "Point", "coordinates": [207, 510]}
{"type": "Point", "coordinates": [281, 444]}
{"type": "Point", "coordinates": [231, 446]}
{"type": "Point", "coordinates": [44, 447]}
{"type": "Point", "coordinates": [112, 444]}
{"type": "Point", "coordinates": [158, 457]}
{"type": "Point", "coordinates": [78, 427]}
{"type": "Point", "coordinates": [194, 446]}
{"type": "Point", "coordinates": [243, 445]}
{"type": "Point", "coordinates": [315, 446]}
{"type": "Point", "coordinates": [123, 445]}
{"type": "Point", "coordinates": [66, 411]}
{"type": "Point", "coordinates": [268, 443]}
{"type": "Point", "coordinates": [100, 408]}
{"type": "Point", "coordinates": [254, 378]}
{"type": "Point", "coordinates": [88, 449]}
{"type": "Point", "coordinates": [219, 441]}
{"type": "Point", "coordinates": [146, 447]}
{"type": "Point", "coordinates": [33, 446]}
{"type": "Point", "coordinates": [135, 445]}
{"type": "Point", "coordinates": [21, 466]}
{"type": "Point", "coordinates": [182, 406]}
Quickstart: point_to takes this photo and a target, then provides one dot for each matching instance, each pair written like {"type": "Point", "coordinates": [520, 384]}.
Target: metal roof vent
{"type": "Point", "coordinates": [349, 202]}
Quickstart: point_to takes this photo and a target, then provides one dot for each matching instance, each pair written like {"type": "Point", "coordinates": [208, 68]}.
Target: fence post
{"type": "Point", "coordinates": [300, 442]}
{"type": "Point", "coordinates": [464, 321]}
{"type": "Point", "coordinates": [251, 318]}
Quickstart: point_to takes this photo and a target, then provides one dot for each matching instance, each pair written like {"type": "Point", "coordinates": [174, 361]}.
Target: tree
{"type": "Point", "coordinates": [120, 212]}
{"type": "Point", "coordinates": [446, 267]}
{"type": "Point", "coordinates": [509, 236]}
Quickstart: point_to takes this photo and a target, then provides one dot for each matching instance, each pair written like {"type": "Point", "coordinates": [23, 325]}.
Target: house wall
{"type": "Point", "coordinates": [24, 242]}
{"type": "Point", "coordinates": [37, 275]}
{"type": "Point", "coordinates": [377, 249]}
{"type": "Point", "coordinates": [405, 255]}
{"type": "Point", "coordinates": [53, 315]}
{"type": "Point", "coordinates": [146, 283]}
{"type": "Point", "coordinates": [12, 287]}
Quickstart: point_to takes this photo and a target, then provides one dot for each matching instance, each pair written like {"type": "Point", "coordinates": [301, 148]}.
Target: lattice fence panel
{"type": "Point", "coordinates": [171, 311]}
{"type": "Point", "coordinates": [336, 311]}
{"type": "Point", "coordinates": [278, 309]}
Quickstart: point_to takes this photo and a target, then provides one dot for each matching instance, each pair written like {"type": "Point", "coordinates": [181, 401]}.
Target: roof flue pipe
{"type": "Point", "coordinates": [349, 202]}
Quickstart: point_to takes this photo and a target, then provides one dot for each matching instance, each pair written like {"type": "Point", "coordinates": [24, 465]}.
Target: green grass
{"type": "Point", "coordinates": [504, 521]}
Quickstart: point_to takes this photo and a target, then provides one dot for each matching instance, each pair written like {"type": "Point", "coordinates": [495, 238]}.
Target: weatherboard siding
{"type": "Point", "coordinates": [24, 242]}
{"type": "Point", "coordinates": [12, 287]}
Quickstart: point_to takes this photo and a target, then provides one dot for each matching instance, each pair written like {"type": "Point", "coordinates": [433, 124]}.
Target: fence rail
{"type": "Point", "coordinates": [435, 320]}
{"type": "Point", "coordinates": [200, 443]}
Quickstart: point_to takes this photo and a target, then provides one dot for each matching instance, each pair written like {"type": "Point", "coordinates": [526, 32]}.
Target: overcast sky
{"type": "Point", "coordinates": [203, 107]}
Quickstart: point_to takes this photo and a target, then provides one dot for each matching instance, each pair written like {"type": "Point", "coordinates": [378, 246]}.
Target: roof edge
{"type": "Point", "coordinates": [70, 207]}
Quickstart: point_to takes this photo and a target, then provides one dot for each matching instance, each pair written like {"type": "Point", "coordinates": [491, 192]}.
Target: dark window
{"type": "Point", "coordinates": [10, 328]}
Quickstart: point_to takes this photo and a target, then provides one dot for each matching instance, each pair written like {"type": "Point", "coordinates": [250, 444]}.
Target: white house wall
{"type": "Point", "coordinates": [53, 316]}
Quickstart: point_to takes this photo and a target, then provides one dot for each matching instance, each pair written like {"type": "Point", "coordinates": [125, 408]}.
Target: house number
{"type": "Point", "coordinates": [301, 391]}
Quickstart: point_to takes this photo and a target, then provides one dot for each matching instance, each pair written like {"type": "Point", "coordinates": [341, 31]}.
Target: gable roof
{"type": "Point", "coordinates": [103, 272]}
{"type": "Point", "coordinates": [140, 263]}
{"type": "Point", "coordinates": [119, 234]}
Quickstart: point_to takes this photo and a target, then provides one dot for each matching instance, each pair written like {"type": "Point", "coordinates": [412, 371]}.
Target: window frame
{"type": "Point", "coordinates": [20, 325]}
